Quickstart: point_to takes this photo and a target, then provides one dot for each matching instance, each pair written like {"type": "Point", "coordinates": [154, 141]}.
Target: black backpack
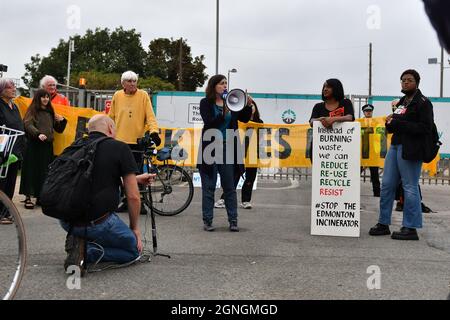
{"type": "Point", "coordinates": [67, 189]}
{"type": "Point", "coordinates": [432, 145]}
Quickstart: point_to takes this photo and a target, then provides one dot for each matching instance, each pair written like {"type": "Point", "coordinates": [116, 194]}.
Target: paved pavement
{"type": "Point", "coordinates": [273, 257]}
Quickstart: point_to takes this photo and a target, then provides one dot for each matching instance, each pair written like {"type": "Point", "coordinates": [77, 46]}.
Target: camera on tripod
{"type": "Point", "coordinates": [146, 143]}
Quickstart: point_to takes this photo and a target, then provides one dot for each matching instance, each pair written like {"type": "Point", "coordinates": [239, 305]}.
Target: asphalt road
{"type": "Point", "coordinates": [272, 257]}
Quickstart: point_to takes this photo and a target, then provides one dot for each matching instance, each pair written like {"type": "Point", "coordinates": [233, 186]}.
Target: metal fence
{"type": "Point", "coordinates": [442, 177]}
{"type": "Point", "coordinates": [95, 99]}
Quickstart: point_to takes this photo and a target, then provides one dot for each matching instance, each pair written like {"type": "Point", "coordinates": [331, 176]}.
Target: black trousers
{"type": "Point", "coordinates": [138, 156]}
{"type": "Point", "coordinates": [375, 179]}
{"type": "Point", "coordinates": [247, 188]}
{"type": "Point", "coordinates": [8, 184]}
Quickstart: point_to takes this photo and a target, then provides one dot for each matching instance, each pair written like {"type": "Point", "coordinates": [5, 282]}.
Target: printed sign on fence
{"type": "Point", "coordinates": [194, 113]}
{"type": "Point", "coordinates": [197, 181]}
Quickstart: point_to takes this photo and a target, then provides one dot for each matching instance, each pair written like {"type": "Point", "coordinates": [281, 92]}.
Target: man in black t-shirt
{"type": "Point", "coordinates": [109, 238]}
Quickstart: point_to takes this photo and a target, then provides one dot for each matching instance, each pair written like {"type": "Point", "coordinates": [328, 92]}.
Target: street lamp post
{"type": "Point", "coordinates": [435, 61]}
{"type": "Point", "coordinates": [230, 71]}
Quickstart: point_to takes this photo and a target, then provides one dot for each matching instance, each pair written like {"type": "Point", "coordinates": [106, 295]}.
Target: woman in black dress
{"type": "Point", "coordinates": [40, 123]}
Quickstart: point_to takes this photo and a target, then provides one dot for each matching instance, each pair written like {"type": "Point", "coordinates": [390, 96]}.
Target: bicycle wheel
{"type": "Point", "coordinates": [172, 190]}
{"type": "Point", "coordinates": [12, 249]}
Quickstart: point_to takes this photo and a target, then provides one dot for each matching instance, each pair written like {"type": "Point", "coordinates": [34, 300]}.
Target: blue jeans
{"type": "Point", "coordinates": [396, 168]}
{"type": "Point", "coordinates": [226, 172]}
{"type": "Point", "coordinates": [116, 238]}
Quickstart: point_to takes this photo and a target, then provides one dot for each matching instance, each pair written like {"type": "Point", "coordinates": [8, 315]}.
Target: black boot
{"type": "Point", "coordinates": [379, 230]}
{"type": "Point", "coordinates": [405, 234]}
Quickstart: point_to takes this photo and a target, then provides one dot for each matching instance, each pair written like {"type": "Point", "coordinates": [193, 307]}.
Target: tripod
{"type": "Point", "coordinates": [148, 204]}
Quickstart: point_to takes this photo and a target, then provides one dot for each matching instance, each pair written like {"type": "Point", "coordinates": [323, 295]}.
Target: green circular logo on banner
{"type": "Point", "coordinates": [289, 116]}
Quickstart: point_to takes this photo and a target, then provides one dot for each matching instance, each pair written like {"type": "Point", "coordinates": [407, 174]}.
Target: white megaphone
{"type": "Point", "coordinates": [236, 99]}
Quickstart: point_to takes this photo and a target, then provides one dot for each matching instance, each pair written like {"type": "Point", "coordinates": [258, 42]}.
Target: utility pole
{"type": "Point", "coordinates": [370, 69]}
{"type": "Point", "coordinates": [69, 61]}
{"type": "Point", "coordinates": [441, 80]}
{"type": "Point", "coordinates": [217, 37]}
{"type": "Point", "coordinates": [442, 72]}
{"type": "Point", "coordinates": [180, 71]}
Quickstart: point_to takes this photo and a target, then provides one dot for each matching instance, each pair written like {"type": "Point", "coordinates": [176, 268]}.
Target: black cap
{"type": "Point", "coordinates": [367, 107]}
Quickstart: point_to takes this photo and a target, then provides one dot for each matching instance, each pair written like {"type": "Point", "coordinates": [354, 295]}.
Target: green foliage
{"type": "Point", "coordinates": [32, 73]}
{"type": "Point", "coordinates": [111, 81]}
{"type": "Point", "coordinates": [101, 56]}
{"type": "Point", "coordinates": [156, 84]}
{"type": "Point", "coordinates": [98, 80]}
{"type": "Point", "coordinates": [163, 61]}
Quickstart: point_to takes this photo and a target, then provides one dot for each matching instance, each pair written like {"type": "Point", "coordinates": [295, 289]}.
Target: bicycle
{"type": "Point", "coordinates": [173, 190]}
{"type": "Point", "coordinates": [12, 254]}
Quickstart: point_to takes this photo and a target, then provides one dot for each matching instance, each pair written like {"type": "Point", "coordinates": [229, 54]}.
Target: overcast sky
{"type": "Point", "coordinates": [282, 46]}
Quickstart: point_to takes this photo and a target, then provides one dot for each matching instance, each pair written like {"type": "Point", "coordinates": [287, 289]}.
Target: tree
{"type": "Point", "coordinates": [111, 81]}
{"type": "Point", "coordinates": [163, 61]}
{"type": "Point", "coordinates": [31, 70]}
{"type": "Point", "coordinates": [102, 53]}
{"type": "Point", "coordinates": [109, 52]}
{"type": "Point", "coordinates": [102, 50]}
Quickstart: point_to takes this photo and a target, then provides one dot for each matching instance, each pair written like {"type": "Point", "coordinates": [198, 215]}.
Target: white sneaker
{"type": "Point", "coordinates": [219, 204]}
{"type": "Point", "coordinates": [246, 205]}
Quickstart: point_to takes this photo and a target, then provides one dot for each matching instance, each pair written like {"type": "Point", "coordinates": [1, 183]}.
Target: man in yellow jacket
{"type": "Point", "coordinates": [132, 112]}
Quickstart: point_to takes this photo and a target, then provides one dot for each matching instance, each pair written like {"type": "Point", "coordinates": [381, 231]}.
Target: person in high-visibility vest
{"type": "Point", "coordinates": [374, 171]}
{"type": "Point", "coordinates": [49, 84]}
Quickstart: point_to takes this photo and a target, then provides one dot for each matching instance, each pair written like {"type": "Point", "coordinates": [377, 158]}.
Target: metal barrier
{"type": "Point", "coordinates": [442, 177]}
{"type": "Point", "coordinates": [72, 94]}
{"type": "Point", "coordinates": [97, 99]}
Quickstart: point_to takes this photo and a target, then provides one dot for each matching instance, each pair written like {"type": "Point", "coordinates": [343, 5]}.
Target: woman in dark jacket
{"type": "Point", "coordinates": [334, 108]}
{"type": "Point", "coordinates": [10, 117]}
{"type": "Point", "coordinates": [411, 125]}
{"type": "Point", "coordinates": [220, 150]}
{"type": "Point", "coordinates": [250, 173]}
{"type": "Point", "coordinates": [40, 123]}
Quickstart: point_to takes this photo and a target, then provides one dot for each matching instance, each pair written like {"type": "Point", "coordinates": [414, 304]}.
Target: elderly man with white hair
{"type": "Point", "coordinates": [131, 110]}
{"type": "Point", "coordinates": [49, 84]}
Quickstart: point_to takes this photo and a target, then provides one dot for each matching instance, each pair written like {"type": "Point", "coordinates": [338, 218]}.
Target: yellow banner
{"type": "Point", "coordinates": [77, 119]}
{"type": "Point", "coordinates": [265, 145]}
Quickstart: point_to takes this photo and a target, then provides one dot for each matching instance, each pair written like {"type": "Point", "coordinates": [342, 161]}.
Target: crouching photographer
{"type": "Point", "coordinates": [103, 236]}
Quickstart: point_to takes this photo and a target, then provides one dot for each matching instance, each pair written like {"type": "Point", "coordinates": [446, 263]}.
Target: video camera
{"type": "Point", "coordinates": [146, 142]}
{"type": "Point", "coordinates": [3, 68]}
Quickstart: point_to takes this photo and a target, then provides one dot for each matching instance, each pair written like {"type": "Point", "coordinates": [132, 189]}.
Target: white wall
{"type": "Point", "coordinates": [181, 110]}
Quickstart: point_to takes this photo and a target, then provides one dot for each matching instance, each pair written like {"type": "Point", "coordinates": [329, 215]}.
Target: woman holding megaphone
{"type": "Point", "coordinates": [220, 112]}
